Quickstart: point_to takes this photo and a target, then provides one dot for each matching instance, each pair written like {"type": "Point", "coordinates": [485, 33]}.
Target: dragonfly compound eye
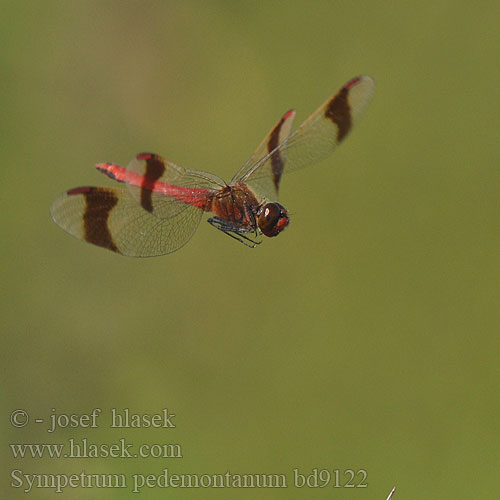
{"type": "Point", "coordinates": [273, 219]}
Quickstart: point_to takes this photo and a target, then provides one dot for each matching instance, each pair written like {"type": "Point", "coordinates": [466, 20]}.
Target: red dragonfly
{"type": "Point", "coordinates": [161, 204]}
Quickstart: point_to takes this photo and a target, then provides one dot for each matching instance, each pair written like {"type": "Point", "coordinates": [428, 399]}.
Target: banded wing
{"type": "Point", "coordinates": [161, 187]}
{"type": "Point", "coordinates": [270, 159]}
{"type": "Point", "coordinates": [314, 140]}
{"type": "Point", "coordinates": [155, 214]}
{"type": "Point", "coordinates": [112, 219]}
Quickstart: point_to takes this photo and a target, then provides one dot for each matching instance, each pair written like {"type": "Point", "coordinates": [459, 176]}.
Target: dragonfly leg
{"type": "Point", "coordinates": [233, 231]}
{"type": "Point", "coordinates": [253, 219]}
{"type": "Point", "coordinates": [242, 239]}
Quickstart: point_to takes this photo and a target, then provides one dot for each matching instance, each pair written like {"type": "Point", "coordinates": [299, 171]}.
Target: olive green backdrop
{"type": "Point", "coordinates": [363, 337]}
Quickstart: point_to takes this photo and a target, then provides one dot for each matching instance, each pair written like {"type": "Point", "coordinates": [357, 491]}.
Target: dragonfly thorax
{"type": "Point", "coordinates": [272, 219]}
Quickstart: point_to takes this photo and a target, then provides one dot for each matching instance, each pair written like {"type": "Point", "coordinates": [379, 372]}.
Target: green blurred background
{"type": "Point", "coordinates": [364, 337]}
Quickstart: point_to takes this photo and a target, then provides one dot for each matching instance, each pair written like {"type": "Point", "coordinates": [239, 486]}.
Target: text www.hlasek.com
{"type": "Point", "coordinates": [84, 449]}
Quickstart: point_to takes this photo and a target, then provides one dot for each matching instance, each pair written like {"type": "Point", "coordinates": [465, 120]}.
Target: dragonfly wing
{"type": "Point", "coordinates": [271, 158]}
{"type": "Point", "coordinates": [321, 133]}
{"type": "Point", "coordinates": [111, 218]}
{"type": "Point", "coordinates": [161, 187]}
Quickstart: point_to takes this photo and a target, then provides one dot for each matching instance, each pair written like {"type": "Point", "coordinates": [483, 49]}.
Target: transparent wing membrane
{"type": "Point", "coordinates": [111, 218]}
{"type": "Point", "coordinates": [318, 137]}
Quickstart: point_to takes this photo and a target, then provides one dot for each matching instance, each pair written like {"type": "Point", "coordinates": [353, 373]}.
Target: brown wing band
{"type": "Point", "coordinates": [155, 168]}
{"type": "Point", "coordinates": [339, 111]}
{"type": "Point", "coordinates": [277, 163]}
{"type": "Point", "coordinates": [99, 203]}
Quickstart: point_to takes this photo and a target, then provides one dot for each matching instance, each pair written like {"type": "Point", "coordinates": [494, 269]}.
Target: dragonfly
{"type": "Point", "coordinates": [160, 204]}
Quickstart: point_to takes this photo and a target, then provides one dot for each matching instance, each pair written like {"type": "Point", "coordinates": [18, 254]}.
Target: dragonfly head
{"type": "Point", "coordinates": [272, 219]}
